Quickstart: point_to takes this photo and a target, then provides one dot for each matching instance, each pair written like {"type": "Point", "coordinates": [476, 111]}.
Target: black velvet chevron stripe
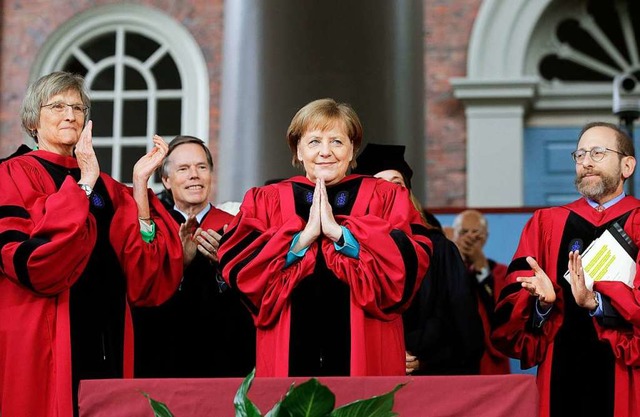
{"type": "Point", "coordinates": [9, 236]}
{"type": "Point", "coordinates": [13, 211]}
{"type": "Point", "coordinates": [21, 259]}
{"type": "Point", "coordinates": [510, 289]}
{"type": "Point", "coordinates": [410, 260]}
{"type": "Point", "coordinates": [502, 314]}
{"type": "Point", "coordinates": [233, 274]}
{"type": "Point", "coordinates": [519, 264]}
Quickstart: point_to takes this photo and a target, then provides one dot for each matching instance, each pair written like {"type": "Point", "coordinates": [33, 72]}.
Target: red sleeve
{"type": "Point", "coordinates": [514, 334]}
{"type": "Point", "coordinates": [253, 254]}
{"type": "Point", "coordinates": [625, 342]}
{"type": "Point", "coordinates": [153, 270]}
{"type": "Point", "coordinates": [394, 253]}
{"type": "Point", "coordinates": [46, 235]}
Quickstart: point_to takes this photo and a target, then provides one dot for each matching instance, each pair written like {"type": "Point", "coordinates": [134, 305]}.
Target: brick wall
{"type": "Point", "coordinates": [27, 24]}
{"type": "Point", "coordinates": [448, 25]}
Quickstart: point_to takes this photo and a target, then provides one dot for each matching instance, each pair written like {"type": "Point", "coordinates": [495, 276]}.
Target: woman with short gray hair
{"type": "Point", "coordinates": [77, 248]}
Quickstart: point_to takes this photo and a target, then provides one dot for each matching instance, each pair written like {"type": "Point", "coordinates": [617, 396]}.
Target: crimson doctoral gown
{"type": "Point", "coordinates": [584, 364]}
{"type": "Point", "coordinates": [69, 267]}
{"type": "Point", "coordinates": [393, 258]}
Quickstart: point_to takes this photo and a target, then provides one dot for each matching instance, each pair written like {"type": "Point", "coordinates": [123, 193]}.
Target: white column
{"type": "Point", "coordinates": [240, 103]}
{"type": "Point", "coordinates": [495, 113]}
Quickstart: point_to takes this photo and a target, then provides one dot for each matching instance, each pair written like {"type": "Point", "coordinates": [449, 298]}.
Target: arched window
{"type": "Point", "coordinates": [536, 72]}
{"type": "Point", "coordinates": [594, 42]}
{"type": "Point", "coordinates": [145, 75]}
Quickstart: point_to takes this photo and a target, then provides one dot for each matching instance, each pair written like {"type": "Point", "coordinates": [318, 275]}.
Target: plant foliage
{"type": "Point", "coordinates": [309, 399]}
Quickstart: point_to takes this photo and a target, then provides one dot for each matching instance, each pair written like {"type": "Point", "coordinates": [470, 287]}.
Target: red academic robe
{"type": "Point", "coordinates": [493, 362]}
{"type": "Point", "coordinates": [393, 258]}
{"type": "Point", "coordinates": [578, 374]}
{"type": "Point", "coordinates": [50, 241]}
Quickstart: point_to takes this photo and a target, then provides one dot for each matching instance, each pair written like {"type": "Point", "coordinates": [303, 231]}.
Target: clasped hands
{"type": "Point", "coordinates": [321, 220]}
{"type": "Point", "coordinates": [539, 285]}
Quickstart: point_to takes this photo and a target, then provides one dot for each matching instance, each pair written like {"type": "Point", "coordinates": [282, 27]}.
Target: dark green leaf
{"type": "Point", "coordinates": [275, 411]}
{"type": "Point", "coordinates": [310, 399]}
{"type": "Point", "coordinates": [159, 409]}
{"type": "Point", "coordinates": [378, 406]}
{"type": "Point", "coordinates": [244, 406]}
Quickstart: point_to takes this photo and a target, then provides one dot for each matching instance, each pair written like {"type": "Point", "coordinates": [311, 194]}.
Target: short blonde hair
{"type": "Point", "coordinates": [323, 114]}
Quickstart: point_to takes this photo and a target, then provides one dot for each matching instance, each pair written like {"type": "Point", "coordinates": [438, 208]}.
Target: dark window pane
{"type": "Point", "coordinates": [102, 116]}
{"type": "Point", "coordinates": [104, 81]}
{"type": "Point", "coordinates": [166, 74]}
{"type": "Point", "coordinates": [130, 155]}
{"type": "Point", "coordinates": [133, 80]}
{"type": "Point", "coordinates": [569, 31]}
{"type": "Point", "coordinates": [104, 156]}
{"type": "Point", "coordinates": [100, 47]}
{"type": "Point", "coordinates": [74, 66]}
{"type": "Point", "coordinates": [607, 18]}
{"type": "Point", "coordinates": [139, 46]}
{"type": "Point", "coordinates": [553, 67]}
{"type": "Point", "coordinates": [134, 118]}
{"type": "Point", "coordinates": [169, 117]}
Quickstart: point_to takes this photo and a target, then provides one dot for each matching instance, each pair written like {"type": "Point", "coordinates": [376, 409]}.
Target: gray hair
{"type": "Point", "coordinates": [181, 140]}
{"type": "Point", "coordinates": [42, 90]}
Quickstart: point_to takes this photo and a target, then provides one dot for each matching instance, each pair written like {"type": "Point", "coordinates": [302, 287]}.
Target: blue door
{"type": "Point", "coordinates": [549, 171]}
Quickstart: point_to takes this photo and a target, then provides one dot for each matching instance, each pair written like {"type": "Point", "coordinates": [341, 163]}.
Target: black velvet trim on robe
{"type": "Point", "coordinates": [320, 335]}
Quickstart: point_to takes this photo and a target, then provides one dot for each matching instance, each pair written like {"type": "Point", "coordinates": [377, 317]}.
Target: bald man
{"type": "Point", "coordinates": [470, 233]}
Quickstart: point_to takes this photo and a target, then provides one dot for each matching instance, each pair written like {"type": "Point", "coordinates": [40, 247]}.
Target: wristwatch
{"type": "Point", "coordinates": [595, 298]}
{"type": "Point", "coordinates": [86, 188]}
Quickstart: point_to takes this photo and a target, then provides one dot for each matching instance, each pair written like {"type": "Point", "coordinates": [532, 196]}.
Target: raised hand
{"type": "Point", "coordinates": [584, 297]}
{"type": "Point", "coordinates": [539, 285]}
{"type": "Point", "coordinates": [86, 157]}
{"type": "Point", "coordinates": [470, 246]}
{"type": "Point", "coordinates": [189, 244]}
{"type": "Point", "coordinates": [142, 171]}
{"type": "Point", "coordinates": [144, 168]}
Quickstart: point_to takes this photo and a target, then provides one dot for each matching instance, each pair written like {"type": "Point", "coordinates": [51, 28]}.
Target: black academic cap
{"type": "Point", "coordinates": [377, 158]}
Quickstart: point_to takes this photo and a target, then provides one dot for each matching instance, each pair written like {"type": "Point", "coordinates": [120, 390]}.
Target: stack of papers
{"type": "Point", "coordinates": [611, 257]}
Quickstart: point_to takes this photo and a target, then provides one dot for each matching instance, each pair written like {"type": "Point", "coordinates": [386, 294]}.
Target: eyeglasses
{"type": "Point", "coordinates": [596, 154]}
{"type": "Point", "coordinates": [60, 107]}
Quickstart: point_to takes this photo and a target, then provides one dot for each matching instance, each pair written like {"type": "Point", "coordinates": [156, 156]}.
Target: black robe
{"type": "Point", "coordinates": [442, 327]}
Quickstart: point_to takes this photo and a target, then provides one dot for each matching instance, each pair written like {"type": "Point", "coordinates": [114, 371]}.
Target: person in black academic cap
{"type": "Point", "coordinates": [442, 327]}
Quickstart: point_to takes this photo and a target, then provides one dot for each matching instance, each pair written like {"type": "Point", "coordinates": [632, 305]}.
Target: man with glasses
{"type": "Point", "coordinates": [582, 340]}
